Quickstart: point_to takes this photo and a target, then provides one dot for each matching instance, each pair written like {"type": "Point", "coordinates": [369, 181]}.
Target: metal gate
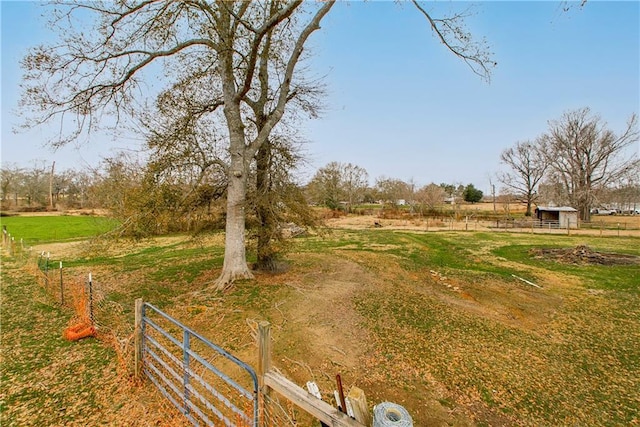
{"type": "Point", "coordinates": [206, 383]}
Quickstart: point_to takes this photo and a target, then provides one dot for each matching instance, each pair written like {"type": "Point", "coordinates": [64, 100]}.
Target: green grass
{"type": "Point", "coordinates": [41, 229]}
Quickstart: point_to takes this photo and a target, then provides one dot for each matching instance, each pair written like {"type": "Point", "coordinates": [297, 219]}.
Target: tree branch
{"type": "Point", "coordinates": [475, 55]}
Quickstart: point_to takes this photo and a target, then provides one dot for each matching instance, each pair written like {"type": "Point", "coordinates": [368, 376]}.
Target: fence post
{"type": "Point", "coordinates": [264, 366]}
{"type": "Point", "coordinates": [61, 286]}
{"type": "Point", "coordinates": [91, 317]}
{"type": "Point", "coordinates": [138, 338]}
{"type": "Point", "coordinates": [359, 405]}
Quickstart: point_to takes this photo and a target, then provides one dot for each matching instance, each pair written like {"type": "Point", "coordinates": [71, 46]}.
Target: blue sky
{"type": "Point", "coordinates": [399, 104]}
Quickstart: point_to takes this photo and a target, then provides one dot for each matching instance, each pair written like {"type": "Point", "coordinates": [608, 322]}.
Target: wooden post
{"type": "Point", "coordinates": [138, 338]}
{"type": "Point", "coordinates": [359, 405]}
{"type": "Point", "coordinates": [264, 348]}
{"type": "Point", "coordinates": [264, 366]}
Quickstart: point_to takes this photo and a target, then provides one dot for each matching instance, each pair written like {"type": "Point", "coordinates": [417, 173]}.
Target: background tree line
{"type": "Point", "coordinates": [577, 162]}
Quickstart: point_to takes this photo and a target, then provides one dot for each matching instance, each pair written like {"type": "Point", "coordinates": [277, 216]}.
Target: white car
{"type": "Point", "coordinates": [600, 211]}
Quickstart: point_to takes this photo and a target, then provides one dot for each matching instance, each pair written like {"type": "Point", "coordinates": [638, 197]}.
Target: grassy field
{"type": "Point", "coordinates": [441, 322]}
{"type": "Point", "coordinates": [39, 229]}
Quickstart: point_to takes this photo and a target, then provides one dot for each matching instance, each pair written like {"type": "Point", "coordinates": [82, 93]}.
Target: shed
{"type": "Point", "coordinates": [563, 216]}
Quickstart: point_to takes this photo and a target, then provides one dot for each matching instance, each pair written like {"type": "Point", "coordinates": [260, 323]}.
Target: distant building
{"type": "Point", "coordinates": [559, 216]}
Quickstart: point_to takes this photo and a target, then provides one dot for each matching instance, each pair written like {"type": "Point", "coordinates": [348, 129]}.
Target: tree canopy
{"type": "Point", "coordinates": [471, 194]}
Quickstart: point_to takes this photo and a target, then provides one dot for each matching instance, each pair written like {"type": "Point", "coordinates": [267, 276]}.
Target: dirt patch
{"type": "Point", "coordinates": [323, 307]}
{"type": "Point", "coordinates": [583, 255]}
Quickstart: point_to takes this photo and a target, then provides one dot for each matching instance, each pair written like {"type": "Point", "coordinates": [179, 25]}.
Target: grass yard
{"type": "Point", "coordinates": [446, 324]}
{"type": "Point", "coordinates": [40, 229]}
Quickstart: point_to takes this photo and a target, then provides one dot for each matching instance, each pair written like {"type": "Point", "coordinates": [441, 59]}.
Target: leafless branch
{"type": "Point", "coordinates": [452, 34]}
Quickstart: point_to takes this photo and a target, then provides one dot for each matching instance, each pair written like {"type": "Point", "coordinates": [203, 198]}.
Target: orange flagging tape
{"type": "Point", "coordinates": [79, 331]}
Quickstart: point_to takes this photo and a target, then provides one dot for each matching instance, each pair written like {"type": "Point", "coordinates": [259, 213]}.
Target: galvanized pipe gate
{"type": "Point", "coordinates": [202, 391]}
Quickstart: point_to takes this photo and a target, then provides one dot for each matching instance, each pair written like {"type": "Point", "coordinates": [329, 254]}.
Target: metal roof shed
{"type": "Point", "coordinates": [564, 216]}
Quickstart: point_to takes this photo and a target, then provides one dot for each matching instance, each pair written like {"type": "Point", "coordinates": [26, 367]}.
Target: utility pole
{"type": "Point", "coordinates": [493, 193]}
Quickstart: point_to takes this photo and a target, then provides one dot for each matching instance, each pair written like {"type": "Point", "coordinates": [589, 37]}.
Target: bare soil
{"type": "Point", "coordinates": [582, 255]}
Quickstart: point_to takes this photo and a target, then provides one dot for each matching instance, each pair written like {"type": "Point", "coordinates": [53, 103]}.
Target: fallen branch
{"type": "Point", "coordinates": [527, 282]}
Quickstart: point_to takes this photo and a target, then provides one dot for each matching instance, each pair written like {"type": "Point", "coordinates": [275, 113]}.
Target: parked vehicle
{"type": "Point", "coordinates": [602, 211]}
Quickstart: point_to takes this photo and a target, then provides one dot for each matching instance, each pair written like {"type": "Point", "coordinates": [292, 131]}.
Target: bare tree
{"type": "Point", "coordinates": [431, 196]}
{"type": "Point", "coordinates": [185, 138]}
{"type": "Point", "coordinates": [116, 184]}
{"type": "Point", "coordinates": [10, 180]}
{"type": "Point", "coordinates": [355, 181]}
{"type": "Point", "coordinates": [392, 190]}
{"type": "Point", "coordinates": [339, 183]}
{"type": "Point", "coordinates": [98, 68]}
{"type": "Point", "coordinates": [585, 155]}
{"type": "Point", "coordinates": [324, 187]}
{"type": "Point", "coordinates": [78, 185]}
{"type": "Point", "coordinates": [627, 195]}
{"type": "Point", "coordinates": [528, 166]}
{"type": "Point", "coordinates": [34, 186]}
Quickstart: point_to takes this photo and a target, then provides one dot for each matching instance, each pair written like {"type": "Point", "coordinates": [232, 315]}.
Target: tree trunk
{"type": "Point", "coordinates": [235, 259]}
{"type": "Point", "coordinates": [265, 257]}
